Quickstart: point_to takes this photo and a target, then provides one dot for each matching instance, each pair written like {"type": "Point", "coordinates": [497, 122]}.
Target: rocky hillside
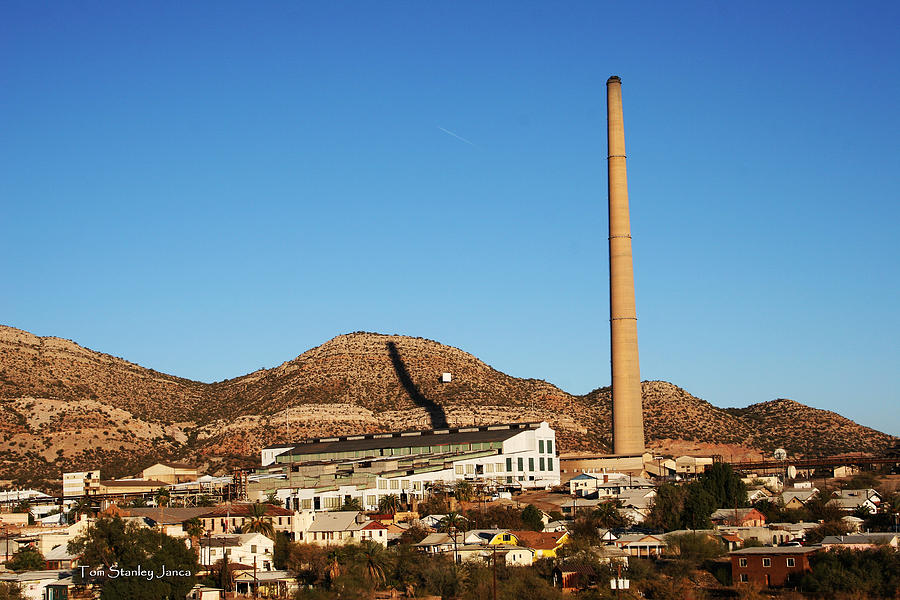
{"type": "Point", "coordinates": [63, 407]}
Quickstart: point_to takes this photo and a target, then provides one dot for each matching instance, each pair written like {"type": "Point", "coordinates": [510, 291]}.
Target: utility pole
{"type": "Point", "coordinates": [495, 571]}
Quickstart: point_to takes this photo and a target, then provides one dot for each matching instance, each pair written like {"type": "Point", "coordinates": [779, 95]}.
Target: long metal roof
{"type": "Point", "coordinates": [404, 439]}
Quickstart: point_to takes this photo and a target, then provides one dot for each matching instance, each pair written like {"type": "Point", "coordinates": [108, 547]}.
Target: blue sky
{"type": "Point", "coordinates": [213, 188]}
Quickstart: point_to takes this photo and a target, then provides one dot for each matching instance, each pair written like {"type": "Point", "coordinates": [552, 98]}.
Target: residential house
{"type": "Point", "coordinates": [574, 505]}
{"type": "Point", "coordinates": [544, 544]}
{"type": "Point", "coordinates": [60, 559]}
{"type": "Point", "coordinates": [790, 532]}
{"type": "Point", "coordinates": [861, 541]}
{"type": "Point", "coordinates": [555, 526]}
{"type": "Point", "coordinates": [758, 493]}
{"type": "Point", "coordinates": [850, 500]}
{"type": "Point", "coordinates": [759, 535]}
{"type": "Point", "coordinates": [635, 504]}
{"type": "Point", "coordinates": [769, 566]}
{"type": "Point", "coordinates": [243, 548]}
{"type": "Point", "coordinates": [513, 556]}
{"type": "Point", "coordinates": [265, 584]}
{"type": "Point", "coordinates": [796, 497]}
{"type": "Point", "coordinates": [432, 521]}
{"type": "Point", "coordinates": [33, 584]}
{"type": "Point", "coordinates": [642, 545]}
{"type": "Point", "coordinates": [487, 537]}
{"type": "Point", "coordinates": [740, 517]}
{"type": "Point", "coordinates": [854, 524]}
{"type": "Point", "coordinates": [395, 531]}
{"type": "Point", "coordinates": [438, 543]}
{"type": "Point", "coordinates": [344, 527]}
{"type": "Point", "coordinates": [202, 592]}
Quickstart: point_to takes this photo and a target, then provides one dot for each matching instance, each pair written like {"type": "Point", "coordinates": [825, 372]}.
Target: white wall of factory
{"type": "Point", "coordinates": [528, 459]}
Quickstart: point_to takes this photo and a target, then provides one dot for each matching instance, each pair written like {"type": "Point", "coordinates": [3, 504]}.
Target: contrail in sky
{"type": "Point", "coordinates": [459, 137]}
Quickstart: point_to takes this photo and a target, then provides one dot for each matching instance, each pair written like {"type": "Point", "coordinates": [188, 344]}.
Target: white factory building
{"type": "Point", "coordinates": [326, 473]}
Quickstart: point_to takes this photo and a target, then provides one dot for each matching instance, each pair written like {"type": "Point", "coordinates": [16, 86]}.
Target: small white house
{"type": "Point", "coordinates": [244, 548]}
{"type": "Point", "coordinates": [33, 584]}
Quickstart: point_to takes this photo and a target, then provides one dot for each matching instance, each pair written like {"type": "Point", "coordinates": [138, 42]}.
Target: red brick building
{"type": "Point", "coordinates": [769, 566]}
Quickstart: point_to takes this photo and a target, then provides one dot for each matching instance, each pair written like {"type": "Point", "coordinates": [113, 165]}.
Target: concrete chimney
{"type": "Point", "coordinates": [628, 418]}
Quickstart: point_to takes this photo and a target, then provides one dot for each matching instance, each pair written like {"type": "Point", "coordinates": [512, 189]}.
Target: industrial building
{"type": "Point", "coordinates": [326, 473]}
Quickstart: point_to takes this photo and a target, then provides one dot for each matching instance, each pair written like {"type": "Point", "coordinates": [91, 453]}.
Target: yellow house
{"type": "Point", "coordinates": [490, 537]}
{"type": "Point", "coordinates": [544, 544]}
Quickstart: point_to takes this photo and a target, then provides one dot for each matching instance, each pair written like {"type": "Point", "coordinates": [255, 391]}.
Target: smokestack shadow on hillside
{"type": "Point", "coordinates": [435, 413]}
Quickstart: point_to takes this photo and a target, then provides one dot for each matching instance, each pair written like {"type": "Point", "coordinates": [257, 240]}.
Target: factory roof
{"type": "Point", "coordinates": [402, 439]}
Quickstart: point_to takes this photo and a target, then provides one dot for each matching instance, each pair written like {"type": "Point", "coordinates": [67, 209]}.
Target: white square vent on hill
{"type": "Point", "coordinates": [446, 377]}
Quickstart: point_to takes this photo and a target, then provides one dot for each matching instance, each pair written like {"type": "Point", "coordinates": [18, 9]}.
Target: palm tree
{"type": "Point", "coordinates": [162, 497]}
{"type": "Point", "coordinates": [463, 491]}
{"type": "Point", "coordinates": [453, 523]}
{"type": "Point", "coordinates": [193, 527]}
{"type": "Point", "coordinates": [351, 504]}
{"type": "Point", "coordinates": [258, 522]}
{"type": "Point", "coordinates": [83, 506]}
{"type": "Point", "coordinates": [389, 504]}
{"type": "Point", "coordinates": [376, 561]}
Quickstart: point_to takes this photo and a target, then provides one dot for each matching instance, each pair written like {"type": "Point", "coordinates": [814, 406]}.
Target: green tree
{"type": "Point", "coordinates": [389, 504]}
{"type": "Point", "coordinates": [193, 527]}
{"type": "Point", "coordinates": [308, 563]}
{"type": "Point", "coordinates": [606, 515]}
{"type": "Point", "coordinates": [258, 522]}
{"type": "Point", "coordinates": [82, 506]}
{"type": "Point", "coordinates": [10, 591]}
{"type": "Point", "coordinates": [463, 491]}
{"type": "Point", "coordinates": [452, 521]}
{"type": "Point", "coordinates": [162, 497]}
{"type": "Point", "coordinates": [724, 486]}
{"type": "Point", "coordinates": [26, 559]}
{"type": "Point", "coordinates": [820, 532]}
{"type": "Point", "coordinates": [532, 518]}
{"type": "Point", "coordinates": [375, 561]}
{"type": "Point", "coordinates": [665, 513]}
{"type": "Point", "coordinates": [413, 535]}
{"type": "Point", "coordinates": [222, 573]}
{"type": "Point", "coordinates": [433, 505]}
{"type": "Point", "coordinates": [281, 550]}
{"type": "Point", "coordinates": [694, 547]}
{"type": "Point", "coordinates": [351, 504]}
{"type": "Point", "coordinates": [867, 574]}
{"type": "Point", "coordinates": [699, 505]}
{"type": "Point", "coordinates": [112, 542]}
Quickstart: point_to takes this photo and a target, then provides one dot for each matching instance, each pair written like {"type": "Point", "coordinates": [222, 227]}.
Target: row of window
{"type": "Point", "coordinates": [544, 464]}
{"type": "Point", "coordinates": [400, 484]}
{"type": "Point", "coordinates": [545, 444]}
{"type": "Point", "coordinates": [767, 562]}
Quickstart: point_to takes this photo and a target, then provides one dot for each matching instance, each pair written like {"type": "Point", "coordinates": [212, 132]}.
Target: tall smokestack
{"type": "Point", "coordinates": [628, 419]}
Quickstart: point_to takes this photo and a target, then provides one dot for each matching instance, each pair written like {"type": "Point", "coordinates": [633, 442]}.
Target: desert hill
{"type": "Point", "coordinates": [64, 407]}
